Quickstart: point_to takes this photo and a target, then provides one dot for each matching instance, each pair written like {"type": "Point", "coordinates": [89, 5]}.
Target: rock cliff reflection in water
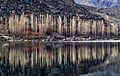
{"type": "Point", "coordinates": [61, 59]}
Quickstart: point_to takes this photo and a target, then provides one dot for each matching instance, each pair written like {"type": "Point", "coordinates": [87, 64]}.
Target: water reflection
{"type": "Point", "coordinates": [63, 59]}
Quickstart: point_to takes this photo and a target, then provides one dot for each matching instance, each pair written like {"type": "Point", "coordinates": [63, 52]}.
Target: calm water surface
{"type": "Point", "coordinates": [59, 59]}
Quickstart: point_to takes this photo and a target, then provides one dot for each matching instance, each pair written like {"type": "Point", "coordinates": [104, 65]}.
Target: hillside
{"type": "Point", "coordinates": [56, 18]}
{"type": "Point", "coordinates": [99, 3]}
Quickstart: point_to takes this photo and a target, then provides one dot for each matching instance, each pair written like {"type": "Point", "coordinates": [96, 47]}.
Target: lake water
{"type": "Point", "coordinates": [60, 59]}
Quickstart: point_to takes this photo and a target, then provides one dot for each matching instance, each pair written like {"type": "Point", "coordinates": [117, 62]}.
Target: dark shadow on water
{"type": "Point", "coordinates": [59, 59]}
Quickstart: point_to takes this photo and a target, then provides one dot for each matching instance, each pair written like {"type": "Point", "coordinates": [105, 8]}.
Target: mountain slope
{"type": "Point", "coordinates": [99, 3]}
{"type": "Point", "coordinates": [60, 7]}
{"type": "Point", "coordinates": [41, 18]}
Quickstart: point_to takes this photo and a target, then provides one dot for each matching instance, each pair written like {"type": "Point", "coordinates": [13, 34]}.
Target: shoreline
{"type": "Point", "coordinates": [67, 41]}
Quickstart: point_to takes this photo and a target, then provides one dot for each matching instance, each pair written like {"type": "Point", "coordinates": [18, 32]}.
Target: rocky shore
{"type": "Point", "coordinates": [55, 37]}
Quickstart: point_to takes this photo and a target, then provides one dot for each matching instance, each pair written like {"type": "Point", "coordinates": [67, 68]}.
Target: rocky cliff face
{"type": "Point", "coordinates": [43, 17]}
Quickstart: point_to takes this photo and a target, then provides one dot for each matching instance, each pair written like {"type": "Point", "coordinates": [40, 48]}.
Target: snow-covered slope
{"type": "Point", "coordinates": [99, 3]}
